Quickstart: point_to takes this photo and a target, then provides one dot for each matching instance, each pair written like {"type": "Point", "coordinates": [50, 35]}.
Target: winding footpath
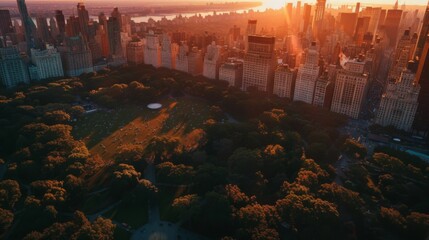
{"type": "Point", "coordinates": [156, 229]}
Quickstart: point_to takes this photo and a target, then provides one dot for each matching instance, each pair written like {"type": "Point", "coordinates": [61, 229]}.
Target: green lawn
{"type": "Point", "coordinates": [190, 113]}
{"type": "Point", "coordinates": [99, 125]}
{"type": "Point", "coordinates": [135, 215]}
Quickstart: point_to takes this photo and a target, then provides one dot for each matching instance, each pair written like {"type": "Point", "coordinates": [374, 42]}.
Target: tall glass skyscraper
{"type": "Point", "coordinates": [423, 33]}
{"type": "Point", "coordinates": [28, 24]}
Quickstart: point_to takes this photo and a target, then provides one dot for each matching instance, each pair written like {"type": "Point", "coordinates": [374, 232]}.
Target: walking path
{"type": "Point", "coordinates": [156, 229]}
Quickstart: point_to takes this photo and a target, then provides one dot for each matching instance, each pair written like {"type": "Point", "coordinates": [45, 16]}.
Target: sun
{"type": "Point", "coordinates": [275, 4]}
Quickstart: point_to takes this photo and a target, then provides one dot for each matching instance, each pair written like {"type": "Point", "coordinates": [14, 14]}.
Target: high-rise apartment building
{"type": "Point", "coordinates": [152, 51]}
{"type": "Point", "coordinates": [61, 21]}
{"type": "Point", "coordinates": [391, 25]}
{"type": "Point", "coordinates": [350, 88]}
{"type": "Point", "coordinates": [169, 52]}
{"type": "Point", "coordinates": [43, 29]}
{"type": "Point", "coordinates": [259, 63]}
{"type": "Point", "coordinates": [284, 81]}
{"type": "Point", "coordinates": [13, 70]}
{"type": "Point", "coordinates": [135, 52]}
{"type": "Point", "coordinates": [374, 14]}
{"type": "Point", "coordinates": [348, 23]}
{"type": "Point", "coordinates": [114, 36]}
{"type": "Point", "coordinates": [308, 73]}
{"type": "Point", "coordinates": [28, 25]}
{"type": "Point", "coordinates": [423, 33]}
{"type": "Point", "coordinates": [182, 58]}
{"type": "Point", "coordinates": [195, 61]}
{"type": "Point", "coordinates": [83, 16]}
{"type": "Point", "coordinates": [422, 77]}
{"type": "Point", "coordinates": [318, 18]}
{"type": "Point", "coordinates": [47, 62]}
{"type": "Point", "coordinates": [212, 61]}
{"type": "Point", "coordinates": [232, 72]}
{"type": "Point", "coordinates": [323, 91]}
{"type": "Point", "coordinates": [403, 53]}
{"type": "Point", "coordinates": [399, 103]}
{"type": "Point", "coordinates": [362, 26]}
{"type": "Point", "coordinates": [5, 22]}
{"type": "Point", "coordinates": [76, 56]}
{"type": "Point", "coordinates": [250, 31]}
{"type": "Point", "coordinates": [306, 17]}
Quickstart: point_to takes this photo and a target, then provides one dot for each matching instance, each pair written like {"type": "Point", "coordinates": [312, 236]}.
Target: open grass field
{"type": "Point", "coordinates": [104, 131]}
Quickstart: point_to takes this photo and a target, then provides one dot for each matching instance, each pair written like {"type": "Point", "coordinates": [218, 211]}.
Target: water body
{"type": "Point", "coordinates": [141, 19]}
{"type": "Point", "coordinates": [159, 17]}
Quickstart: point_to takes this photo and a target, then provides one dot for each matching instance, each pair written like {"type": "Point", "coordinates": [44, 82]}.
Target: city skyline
{"type": "Point", "coordinates": [221, 120]}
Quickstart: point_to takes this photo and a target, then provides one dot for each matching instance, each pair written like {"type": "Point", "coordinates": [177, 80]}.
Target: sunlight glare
{"type": "Point", "coordinates": [275, 4]}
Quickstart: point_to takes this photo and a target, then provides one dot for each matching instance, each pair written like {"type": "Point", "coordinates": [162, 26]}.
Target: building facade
{"type": "Point", "coordinates": [308, 73]}
{"type": "Point", "coordinates": [13, 70]}
{"type": "Point", "coordinates": [76, 56]}
{"type": "Point", "coordinates": [284, 81]}
{"type": "Point", "coordinates": [259, 64]}
{"type": "Point", "coordinates": [212, 61]}
{"type": "Point", "coordinates": [350, 88]}
{"type": "Point", "coordinates": [195, 62]}
{"type": "Point", "coordinates": [48, 62]}
{"type": "Point", "coordinates": [169, 52]}
{"type": "Point", "coordinates": [135, 52]}
{"type": "Point", "coordinates": [232, 72]}
{"type": "Point", "coordinates": [399, 103]}
{"type": "Point", "coordinates": [152, 51]}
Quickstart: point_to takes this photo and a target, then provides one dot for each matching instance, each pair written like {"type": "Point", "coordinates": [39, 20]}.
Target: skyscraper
{"type": "Point", "coordinates": [195, 61]}
{"type": "Point", "coordinates": [76, 56]}
{"type": "Point", "coordinates": [423, 33]}
{"type": "Point", "coordinates": [61, 22]}
{"type": "Point", "coordinates": [362, 27]}
{"type": "Point", "coordinates": [135, 52]}
{"type": "Point", "coordinates": [422, 77]}
{"type": "Point", "coordinates": [182, 58]}
{"type": "Point", "coordinates": [306, 17]}
{"type": "Point", "coordinates": [13, 69]}
{"type": "Point", "coordinates": [43, 29]}
{"type": "Point", "coordinates": [5, 22]}
{"type": "Point", "coordinates": [259, 63]}
{"type": "Point", "coordinates": [348, 23]}
{"type": "Point", "coordinates": [212, 61]}
{"type": "Point", "coordinates": [169, 52]}
{"type": "Point", "coordinates": [47, 62]}
{"type": "Point", "coordinates": [114, 36]}
{"type": "Point", "coordinates": [308, 73]}
{"type": "Point", "coordinates": [232, 72]}
{"type": "Point", "coordinates": [28, 24]}
{"type": "Point", "coordinates": [323, 91]}
{"type": "Point", "coordinates": [284, 81]}
{"type": "Point", "coordinates": [251, 30]}
{"type": "Point", "coordinates": [392, 23]}
{"type": "Point", "coordinates": [318, 18]}
{"type": "Point", "coordinates": [399, 103]}
{"type": "Point", "coordinates": [374, 15]}
{"type": "Point", "coordinates": [152, 51]}
{"type": "Point", "coordinates": [350, 88]}
{"type": "Point", "coordinates": [83, 18]}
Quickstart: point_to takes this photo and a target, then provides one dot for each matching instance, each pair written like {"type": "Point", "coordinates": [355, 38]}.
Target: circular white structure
{"type": "Point", "coordinates": [154, 106]}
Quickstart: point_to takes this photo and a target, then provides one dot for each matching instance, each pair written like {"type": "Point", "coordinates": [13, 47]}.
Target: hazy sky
{"type": "Point", "coordinates": [267, 2]}
{"type": "Point", "coordinates": [270, 3]}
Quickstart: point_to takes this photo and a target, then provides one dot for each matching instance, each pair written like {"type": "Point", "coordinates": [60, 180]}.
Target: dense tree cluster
{"type": "Point", "coordinates": [263, 171]}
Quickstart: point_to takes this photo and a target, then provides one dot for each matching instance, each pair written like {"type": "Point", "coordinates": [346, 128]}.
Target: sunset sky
{"type": "Point", "coordinates": [268, 3]}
